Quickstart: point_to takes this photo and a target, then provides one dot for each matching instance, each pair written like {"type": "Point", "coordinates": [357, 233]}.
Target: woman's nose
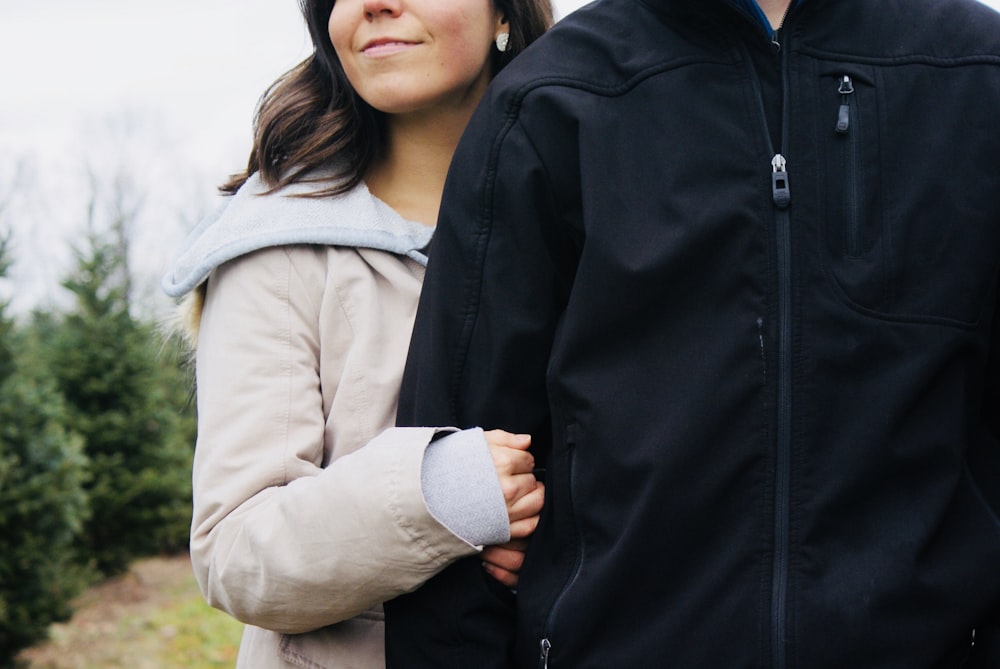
{"type": "Point", "coordinates": [387, 8]}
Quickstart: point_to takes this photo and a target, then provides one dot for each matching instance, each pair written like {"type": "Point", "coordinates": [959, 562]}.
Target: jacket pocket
{"type": "Point", "coordinates": [854, 234]}
{"type": "Point", "coordinates": [358, 643]}
{"type": "Point", "coordinates": [910, 196]}
{"type": "Point", "coordinates": [548, 582]}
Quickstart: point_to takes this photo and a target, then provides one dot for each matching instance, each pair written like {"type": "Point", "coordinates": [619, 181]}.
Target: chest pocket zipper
{"type": "Point", "coordinates": [848, 128]}
{"type": "Point", "coordinates": [543, 660]}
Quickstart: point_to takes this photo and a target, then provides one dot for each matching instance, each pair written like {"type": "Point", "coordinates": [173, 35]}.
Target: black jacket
{"type": "Point", "coordinates": [744, 296]}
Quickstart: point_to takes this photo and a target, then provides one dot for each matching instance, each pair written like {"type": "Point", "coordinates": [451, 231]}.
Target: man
{"type": "Point", "coordinates": [735, 267]}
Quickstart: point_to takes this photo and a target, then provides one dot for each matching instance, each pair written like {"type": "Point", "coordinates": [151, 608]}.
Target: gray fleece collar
{"type": "Point", "coordinates": [249, 221]}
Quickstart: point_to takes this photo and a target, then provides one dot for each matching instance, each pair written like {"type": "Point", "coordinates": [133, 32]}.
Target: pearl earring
{"type": "Point", "coordinates": [503, 40]}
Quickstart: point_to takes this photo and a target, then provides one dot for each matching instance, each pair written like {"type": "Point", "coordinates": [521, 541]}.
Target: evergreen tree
{"type": "Point", "coordinates": [42, 500]}
{"type": "Point", "coordinates": [6, 324]}
{"type": "Point", "coordinates": [121, 393]}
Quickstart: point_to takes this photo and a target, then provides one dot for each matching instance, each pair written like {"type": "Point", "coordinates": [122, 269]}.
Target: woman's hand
{"type": "Point", "coordinates": [504, 562]}
{"type": "Point", "coordinates": [524, 496]}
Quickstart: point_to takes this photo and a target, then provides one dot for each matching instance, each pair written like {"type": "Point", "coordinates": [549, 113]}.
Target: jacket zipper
{"type": "Point", "coordinates": [781, 197]}
{"type": "Point", "coordinates": [848, 127]}
{"type": "Point", "coordinates": [783, 455]}
{"type": "Point", "coordinates": [543, 661]}
{"type": "Point", "coordinates": [846, 89]}
{"type": "Point", "coordinates": [545, 645]}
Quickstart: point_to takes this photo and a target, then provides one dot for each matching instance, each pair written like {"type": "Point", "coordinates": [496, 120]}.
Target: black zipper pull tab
{"type": "Point", "coordinates": [780, 191]}
{"type": "Point", "coordinates": [543, 661]}
{"type": "Point", "coordinates": [844, 115]}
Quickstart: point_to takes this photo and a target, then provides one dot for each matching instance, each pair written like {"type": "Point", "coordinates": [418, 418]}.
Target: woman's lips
{"type": "Point", "coordinates": [386, 47]}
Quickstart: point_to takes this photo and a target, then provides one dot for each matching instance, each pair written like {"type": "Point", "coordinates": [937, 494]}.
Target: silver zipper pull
{"type": "Point", "coordinates": [543, 661]}
{"type": "Point", "coordinates": [844, 115]}
{"type": "Point", "coordinates": [780, 192]}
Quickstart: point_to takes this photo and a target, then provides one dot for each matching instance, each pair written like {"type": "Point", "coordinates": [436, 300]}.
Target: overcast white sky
{"type": "Point", "coordinates": [175, 82]}
{"type": "Point", "coordinates": [179, 80]}
{"type": "Point", "coordinates": [196, 66]}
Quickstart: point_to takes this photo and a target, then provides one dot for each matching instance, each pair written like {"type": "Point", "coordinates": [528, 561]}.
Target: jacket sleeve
{"type": "Point", "coordinates": [282, 539]}
{"type": "Point", "coordinates": [495, 288]}
{"type": "Point", "coordinates": [986, 652]}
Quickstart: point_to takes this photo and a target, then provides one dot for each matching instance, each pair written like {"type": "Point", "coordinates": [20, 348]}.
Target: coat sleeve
{"type": "Point", "coordinates": [282, 539]}
{"type": "Point", "coordinates": [495, 289]}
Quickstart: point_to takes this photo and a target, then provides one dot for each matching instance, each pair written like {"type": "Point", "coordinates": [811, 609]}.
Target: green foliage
{"type": "Point", "coordinates": [6, 325]}
{"type": "Point", "coordinates": [96, 436]}
{"type": "Point", "coordinates": [121, 392]}
{"type": "Point", "coordinates": [42, 502]}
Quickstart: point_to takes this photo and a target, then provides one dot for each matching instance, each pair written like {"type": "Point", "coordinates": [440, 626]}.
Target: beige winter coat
{"type": "Point", "coordinates": [298, 530]}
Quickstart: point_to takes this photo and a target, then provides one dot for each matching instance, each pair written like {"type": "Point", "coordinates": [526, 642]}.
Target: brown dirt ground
{"type": "Point", "coordinates": [99, 612]}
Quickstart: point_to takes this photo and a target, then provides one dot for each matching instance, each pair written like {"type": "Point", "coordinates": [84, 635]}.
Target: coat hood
{"type": "Point", "coordinates": [253, 219]}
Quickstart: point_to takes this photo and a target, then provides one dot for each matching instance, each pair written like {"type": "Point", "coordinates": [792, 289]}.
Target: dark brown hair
{"type": "Point", "coordinates": [312, 118]}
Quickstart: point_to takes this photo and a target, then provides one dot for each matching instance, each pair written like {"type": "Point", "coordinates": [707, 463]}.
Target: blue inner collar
{"type": "Point", "coordinates": [754, 10]}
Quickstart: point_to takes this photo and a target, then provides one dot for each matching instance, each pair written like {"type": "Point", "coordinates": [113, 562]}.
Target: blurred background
{"type": "Point", "coordinates": [118, 119]}
{"type": "Point", "coordinates": [158, 97]}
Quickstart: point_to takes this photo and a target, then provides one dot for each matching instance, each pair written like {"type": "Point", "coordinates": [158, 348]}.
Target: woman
{"type": "Point", "coordinates": [308, 511]}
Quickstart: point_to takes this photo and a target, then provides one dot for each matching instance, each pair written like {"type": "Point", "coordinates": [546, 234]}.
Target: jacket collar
{"type": "Point", "coordinates": [751, 8]}
{"type": "Point", "coordinates": [748, 8]}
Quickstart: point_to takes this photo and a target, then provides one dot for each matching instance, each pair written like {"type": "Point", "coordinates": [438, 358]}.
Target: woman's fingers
{"type": "Point", "coordinates": [511, 460]}
{"type": "Point", "coordinates": [524, 528]}
{"type": "Point", "coordinates": [509, 451]}
{"type": "Point", "coordinates": [504, 557]}
{"type": "Point", "coordinates": [523, 494]}
{"type": "Point", "coordinates": [517, 486]}
{"type": "Point", "coordinates": [508, 439]}
{"type": "Point", "coordinates": [529, 504]}
{"type": "Point", "coordinates": [504, 562]}
{"type": "Point", "coordinates": [524, 514]}
{"type": "Point", "coordinates": [508, 578]}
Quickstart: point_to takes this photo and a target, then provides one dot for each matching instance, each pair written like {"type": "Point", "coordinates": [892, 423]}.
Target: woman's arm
{"type": "Point", "coordinates": [281, 538]}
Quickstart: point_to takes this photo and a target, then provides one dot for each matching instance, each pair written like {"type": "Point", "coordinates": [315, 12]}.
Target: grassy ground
{"type": "Point", "coordinates": [153, 617]}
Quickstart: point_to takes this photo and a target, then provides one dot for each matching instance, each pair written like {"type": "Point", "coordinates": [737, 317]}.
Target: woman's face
{"type": "Point", "coordinates": [405, 56]}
